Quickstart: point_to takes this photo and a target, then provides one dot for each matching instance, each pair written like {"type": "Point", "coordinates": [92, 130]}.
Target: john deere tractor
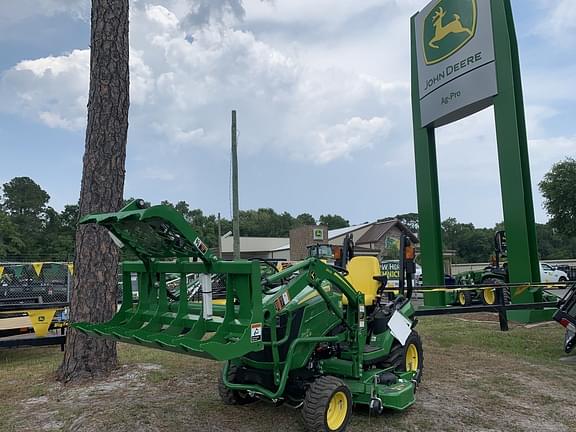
{"type": "Point", "coordinates": [491, 278]}
{"type": "Point", "coordinates": [315, 336]}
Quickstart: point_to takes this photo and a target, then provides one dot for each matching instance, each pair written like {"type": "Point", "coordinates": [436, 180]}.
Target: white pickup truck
{"type": "Point", "coordinates": [551, 274]}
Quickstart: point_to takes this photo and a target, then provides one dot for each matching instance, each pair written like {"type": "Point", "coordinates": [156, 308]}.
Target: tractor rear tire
{"type": "Point", "coordinates": [327, 405]}
{"type": "Point", "coordinates": [233, 397]}
{"type": "Point", "coordinates": [497, 283]}
{"type": "Point", "coordinates": [407, 358]}
{"type": "Point", "coordinates": [465, 298]}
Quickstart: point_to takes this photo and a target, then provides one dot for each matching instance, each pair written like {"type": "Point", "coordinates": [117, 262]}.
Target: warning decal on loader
{"type": "Point", "coordinates": [256, 332]}
{"type": "Point", "coordinates": [281, 301]}
{"type": "Point", "coordinates": [200, 245]}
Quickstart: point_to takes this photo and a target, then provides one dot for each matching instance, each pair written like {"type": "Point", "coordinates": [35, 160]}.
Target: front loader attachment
{"type": "Point", "coordinates": [167, 245]}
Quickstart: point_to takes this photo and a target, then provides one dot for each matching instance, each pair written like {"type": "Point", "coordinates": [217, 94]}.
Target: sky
{"type": "Point", "coordinates": [322, 90]}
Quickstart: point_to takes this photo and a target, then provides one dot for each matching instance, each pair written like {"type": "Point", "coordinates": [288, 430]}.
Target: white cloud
{"type": "Point", "coordinates": [560, 21]}
{"type": "Point", "coordinates": [328, 12]}
{"type": "Point", "coordinates": [54, 120]}
{"type": "Point", "coordinates": [162, 16]}
{"type": "Point", "coordinates": [52, 90]}
{"type": "Point", "coordinates": [155, 174]}
{"type": "Point", "coordinates": [343, 139]}
{"type": "Point", "coordinates": [183, 85]}
{"type": "Point", "coordinates": [316, 82]}
{"type": "Point", "coordinates": [545, 84]}
{"type": "Point", "coordinates": [13, 11]}
{"type": "Point", "coordinates": [536, 119]}
{"type": "Point", "coordinates": [545, 151]}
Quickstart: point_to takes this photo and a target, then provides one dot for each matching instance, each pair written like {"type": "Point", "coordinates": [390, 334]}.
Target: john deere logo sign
{"type": "Point", "coordinates": [454, 44]}
{"type": "Point", "coordinates": [447, 28]}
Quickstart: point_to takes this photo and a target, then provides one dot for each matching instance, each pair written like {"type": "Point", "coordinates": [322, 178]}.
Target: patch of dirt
{"type": "Point", "coordinates": [472, 390]}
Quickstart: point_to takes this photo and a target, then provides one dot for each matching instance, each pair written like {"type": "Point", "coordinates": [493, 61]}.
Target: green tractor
{"type": "Point", "coordinates": [492, 277]}
{"type": "Point", "coordinates": [315, 336]}
{"type": "Point", "coordinates": [333, 254]}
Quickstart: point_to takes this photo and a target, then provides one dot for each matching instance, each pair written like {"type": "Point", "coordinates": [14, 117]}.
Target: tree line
{"type": "Point", "coordinates": [471, 244]}
{"type": "Point", "coordinates": [31, 230]}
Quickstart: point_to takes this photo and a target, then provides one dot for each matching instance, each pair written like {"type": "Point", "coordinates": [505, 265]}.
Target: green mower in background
{"type": "Point", "coordinates": [320, 338]}
{"type": "Point", "coordinates": [491, 277]}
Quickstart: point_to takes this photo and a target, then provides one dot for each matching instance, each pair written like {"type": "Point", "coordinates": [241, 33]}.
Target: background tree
{"type": "Point", "coordinates": [471, 244]}
{"type": "Point", "coordinates": [25, 203]}
{"type": "Point", "coordinates": [410, 220]}
{"type": "Point", "coordinates": [305, 219]}
{"type": "Point", "coordinates": [94, 294]}
{"type": "Point", "coordinates": [24, 197]}
{"type": "Point", "coordinates": [554, 245]}
{"type": "Point", "coordinates": [59, 232]}
{"type": "Point", "coordinates": [333, 221]}
{"type": "Point", "coordinates": [11, 243]}
{"type": "Point", "coordinates": [559, 190]}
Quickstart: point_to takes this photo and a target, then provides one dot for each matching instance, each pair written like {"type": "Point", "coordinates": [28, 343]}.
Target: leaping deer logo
{"type": "Point", "coordinates": [442, 31]}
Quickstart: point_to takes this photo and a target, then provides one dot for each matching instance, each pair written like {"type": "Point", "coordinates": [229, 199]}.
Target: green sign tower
{"type": "Point", "coordinates": [465, 59]}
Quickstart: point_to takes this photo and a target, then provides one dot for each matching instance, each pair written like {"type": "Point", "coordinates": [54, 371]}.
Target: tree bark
{"type": "Point", "coordinates": [94, 293]}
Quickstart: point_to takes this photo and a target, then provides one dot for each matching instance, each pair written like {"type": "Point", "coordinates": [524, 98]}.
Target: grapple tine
{"type": "Point", "coordinates": [166, 244]}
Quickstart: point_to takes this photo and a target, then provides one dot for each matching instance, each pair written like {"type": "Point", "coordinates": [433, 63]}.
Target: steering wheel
{"type": "Point", "coordinates": [339, 269]}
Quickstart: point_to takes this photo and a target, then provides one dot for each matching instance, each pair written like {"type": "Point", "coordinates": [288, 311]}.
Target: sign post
{"type": "Point", "coordinates": [465, 59]}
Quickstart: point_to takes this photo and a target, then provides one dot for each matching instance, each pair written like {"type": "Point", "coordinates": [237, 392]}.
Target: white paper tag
{"type": "Point", "coordinates": [400, 327]}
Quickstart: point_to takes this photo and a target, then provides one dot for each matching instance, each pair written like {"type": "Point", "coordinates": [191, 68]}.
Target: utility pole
{"type": "Point", "coordinates": [235, 205]}
{"type": "Point", "coordinates": [219, 237]}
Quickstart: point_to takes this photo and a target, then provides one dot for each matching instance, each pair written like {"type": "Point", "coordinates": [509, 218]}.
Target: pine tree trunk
{"type": "Point", "coordinates": [94, 293]}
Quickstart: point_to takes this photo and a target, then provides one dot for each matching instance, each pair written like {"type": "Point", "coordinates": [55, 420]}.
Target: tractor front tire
{"type": "Point", "coordinates": [229, 396]}
{"type": "Point", "coordinates": [327, 405]}
{"type": "Point", "coordinates": [407, 358]}
{"type": "Point", "coordinates": [465, 298]}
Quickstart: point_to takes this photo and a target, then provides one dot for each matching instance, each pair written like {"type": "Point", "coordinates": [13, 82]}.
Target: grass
{"type": "Point", "coordinates": [475, 377]}
{"type": "Point", "coordinates": [538, 344]}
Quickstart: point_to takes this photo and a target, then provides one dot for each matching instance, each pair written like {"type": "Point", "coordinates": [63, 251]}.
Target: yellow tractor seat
{"type": "Point", "coordinates": [361, 270]}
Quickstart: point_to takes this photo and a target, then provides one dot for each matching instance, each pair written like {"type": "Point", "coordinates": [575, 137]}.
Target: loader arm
{"type": "Point", "coordinates": [166, 244]}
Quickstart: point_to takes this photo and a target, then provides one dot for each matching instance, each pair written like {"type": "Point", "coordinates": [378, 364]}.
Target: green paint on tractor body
{"type": "Point", "coordinates": [278, 334]}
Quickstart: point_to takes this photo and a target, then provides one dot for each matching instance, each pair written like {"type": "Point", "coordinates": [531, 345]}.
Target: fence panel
{"type": "Point", "coordinates": [35, 283]}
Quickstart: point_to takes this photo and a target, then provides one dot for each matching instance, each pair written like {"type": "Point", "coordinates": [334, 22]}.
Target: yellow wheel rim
{"type": "Point", "coordinates": [489, 296]}
{"type": "Point", "coordinates": [337, 410]}
{"type": "Point", "coordinates": [412, 359]}
{"type": "Point", "coordinates": [462, 298]}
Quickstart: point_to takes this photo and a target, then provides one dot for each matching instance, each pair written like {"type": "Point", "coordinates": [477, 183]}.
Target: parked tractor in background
{"type": "Point", "coordinates": [328, 253]}
{"type": "Point", "coordinates": [494, 276]}
{"type": "Point", "coordinates": [333, 254]}
{"type": "Point", "coordinates": [315, 336]}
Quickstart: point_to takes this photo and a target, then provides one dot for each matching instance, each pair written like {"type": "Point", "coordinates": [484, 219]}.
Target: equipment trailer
{"type": "Point", "coordinates": [305, 336]}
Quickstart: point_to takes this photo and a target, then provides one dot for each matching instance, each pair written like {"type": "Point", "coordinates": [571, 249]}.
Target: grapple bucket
{"type": "Point", "coordinates": [178, 321]}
